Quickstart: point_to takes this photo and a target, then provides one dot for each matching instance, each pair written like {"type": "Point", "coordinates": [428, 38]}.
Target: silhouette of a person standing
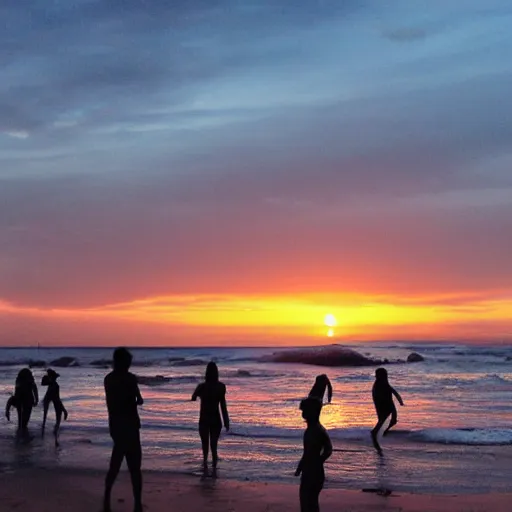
{"type": "Point", "coordinates": [212, 393]}
{"type": "Point", "coordinates": [123, 397]}
{"type": "Point", "coordinates": [382, 394]}
{"type": "Point", "coordinates": [53, 396]}
{"type": "Point", "coordinates": [317, 449]}
{"type": "Point", "coordinates": [24, 399]}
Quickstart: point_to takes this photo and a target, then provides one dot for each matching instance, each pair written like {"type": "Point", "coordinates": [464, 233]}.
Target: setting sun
{"type": "Point", "coordinates": [330, 320]}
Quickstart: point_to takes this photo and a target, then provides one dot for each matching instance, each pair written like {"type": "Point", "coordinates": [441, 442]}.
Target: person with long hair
{"type": "Point", "coordinates": [24, 399]}
{"type": "Point", "coordinates": [123, 397]}
{"type": "Point", "coordinates": [317, 449]}
{"type": "Point", "coordinates": [212, 393]}
{"type": "Point", "coordinates": [322, 383]}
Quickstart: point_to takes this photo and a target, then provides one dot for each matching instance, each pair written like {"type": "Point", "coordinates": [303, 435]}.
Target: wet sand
{"type": "Point", "coordinates": [80, 491]}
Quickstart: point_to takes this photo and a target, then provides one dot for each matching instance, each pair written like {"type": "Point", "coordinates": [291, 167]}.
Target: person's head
{"type": "Point", "coordinates": [122, 359]}
{"type": "Point", "coordinates": [311, 409]}
{"type": "Point", "coordinates": [381, 374]}
{"type": "Point", "coordinates": [24, 376]}
{"type": "Point", "coordinates": [212, 372]}
{"type": "Point", "coordinates": [52, 374]}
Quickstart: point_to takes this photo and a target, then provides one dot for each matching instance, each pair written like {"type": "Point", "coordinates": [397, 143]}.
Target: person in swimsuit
{"type": "Point", "coordinates": [53, 396]}
{"type": "Point", "coordinates": [212, 393]}
{"type": "Point", "coordinates": [123, 396]}
{"type": "Point", "coordinates": [382, 394]}
{"type": "Point", "coordinates": [24, 399]}
{"type": "Point", "coordinates": [321, 384]}
{"type": "Point", "coordinates": [317, 449]}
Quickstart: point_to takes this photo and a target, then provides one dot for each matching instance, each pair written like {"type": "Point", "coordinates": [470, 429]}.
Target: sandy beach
{"type": "Point", "coordinates": [80, 491]}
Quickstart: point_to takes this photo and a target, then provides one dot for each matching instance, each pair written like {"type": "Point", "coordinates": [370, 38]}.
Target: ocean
{"type": "Point", "coordinates": [454, 433]}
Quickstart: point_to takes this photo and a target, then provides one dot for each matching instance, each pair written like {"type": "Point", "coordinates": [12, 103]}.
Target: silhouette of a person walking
{"type": "Point", "coordinates": [317, 449]}
{"type": "Point", "coordinates": [212, 393]}
{"type": "Point", "coordinates": [53, 396]}
{"type": "Point", "coordinates": [123, 397]}
{"type": "Point", "coordinates": [382, 393]}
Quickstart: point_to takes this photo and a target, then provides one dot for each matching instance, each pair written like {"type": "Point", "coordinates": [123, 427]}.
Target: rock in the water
{"type": "Point", "coordinates": [334, 356]}
{"type": "Point", "coordinates": [37, 364]}
{"type": "Point", "coordinates": [64, 362]}
{"type": "Point", "coordinates": [102, 363]}
{"type": "Point", "coordinates": [414, 357]}
{"type": "Point", "coordinates": [152, 380]}
{"type": "Point", "coordinates": [243, 373]}
{"type": "Point", "coordinates": [190, 362]}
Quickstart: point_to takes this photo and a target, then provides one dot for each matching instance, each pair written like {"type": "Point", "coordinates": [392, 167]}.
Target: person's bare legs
{"type": "Point", "coordinates": [134, 462]}
{"type": "Point", "coordinates": [46, 405]}
{"type": "Point", "coordinates": [115, 465]}
{"type": "Point", "coordinates": [214, 441]}
{"type": "Point", "coordinates": [204, 434]}
{"type": "Point", "coordinates": [56, 429]}
{"type": "Point", "coordinates": [393, 422]}
{"type": "Point", "coordinates": [375, 433]}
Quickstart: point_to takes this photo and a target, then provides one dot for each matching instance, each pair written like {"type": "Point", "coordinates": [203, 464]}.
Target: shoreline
{"type": "Point", "coordinates": [44, 490]}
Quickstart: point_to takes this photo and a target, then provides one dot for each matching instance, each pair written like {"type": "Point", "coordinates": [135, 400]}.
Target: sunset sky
{"type": "Point", "coordinates": [232, 171]}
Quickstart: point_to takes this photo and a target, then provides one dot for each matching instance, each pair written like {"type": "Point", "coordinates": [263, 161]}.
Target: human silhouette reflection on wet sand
{"type": "Point", "coordinates": [212, 393]}
{"type": "Point", "coordinates": [123, 396]}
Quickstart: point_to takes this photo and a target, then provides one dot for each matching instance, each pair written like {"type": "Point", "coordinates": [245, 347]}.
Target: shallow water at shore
{"type": "Point", "coordinates": [454, 434]}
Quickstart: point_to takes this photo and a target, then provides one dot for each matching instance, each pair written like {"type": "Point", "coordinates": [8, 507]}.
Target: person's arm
{"type": "Point", "coordinates": [224, 409]}
{"type": "Point", "coordinates": [196, 393]}
{"type": "Point", "coordinates": [35, 393]}
{"type": "Point", "coordinates": [108, 395]}
{"type": "Point", "coordinates": [398, 397]}
{"type": "Point", "coordinates": [8, 409]}
{"type": "Point", "coordinates": [298, 471]}
{"type": "Point", "coordinates": [329, 391]}
{"type": "Point", "coordinates": [138, 397]}
{"type": "Point", "coordinates": [140, 400]}
{"type": "Point", "coordinates": [327, 449]}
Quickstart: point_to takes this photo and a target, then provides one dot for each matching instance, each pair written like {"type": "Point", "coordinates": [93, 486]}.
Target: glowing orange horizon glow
{"type": "Point", "coordinates": [301, 316]}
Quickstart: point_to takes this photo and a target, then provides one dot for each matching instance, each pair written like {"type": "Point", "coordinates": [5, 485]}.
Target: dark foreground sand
{"type": "Point", "coordinates": [80, 491]}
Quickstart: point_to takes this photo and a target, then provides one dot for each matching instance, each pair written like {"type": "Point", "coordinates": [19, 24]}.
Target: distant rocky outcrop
{"type": "Point", "coordinates": [152, 380]}
{"type": "Point", "coordinates": [189, 362]}
{"type": "Point", "coordinates": [37, 364]}
{"type": "Point", "coordinates": [334, 356]}
{"type": "Point", "coordinates": [414, 357]}
{"type": "Point", "coordinates": [65, 362]}
{"type": "Point", "coordinates": [102, 363]}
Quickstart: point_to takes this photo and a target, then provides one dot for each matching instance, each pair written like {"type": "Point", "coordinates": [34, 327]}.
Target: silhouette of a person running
{"type": "Point", "coordinates": [24, 399]}
{"type": "Point", "coordinates": [53, 396]}
{"type": "Point", "coordinates": [317, 449]}
{"type": "Point", "coordinates": [321, 384]}
{"type": "Point", "coordinates": [123, 397]}
{"type": "Point", "coordinates": [212, 393]}
{"type": "Point", "coordinates": [382, 393]}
